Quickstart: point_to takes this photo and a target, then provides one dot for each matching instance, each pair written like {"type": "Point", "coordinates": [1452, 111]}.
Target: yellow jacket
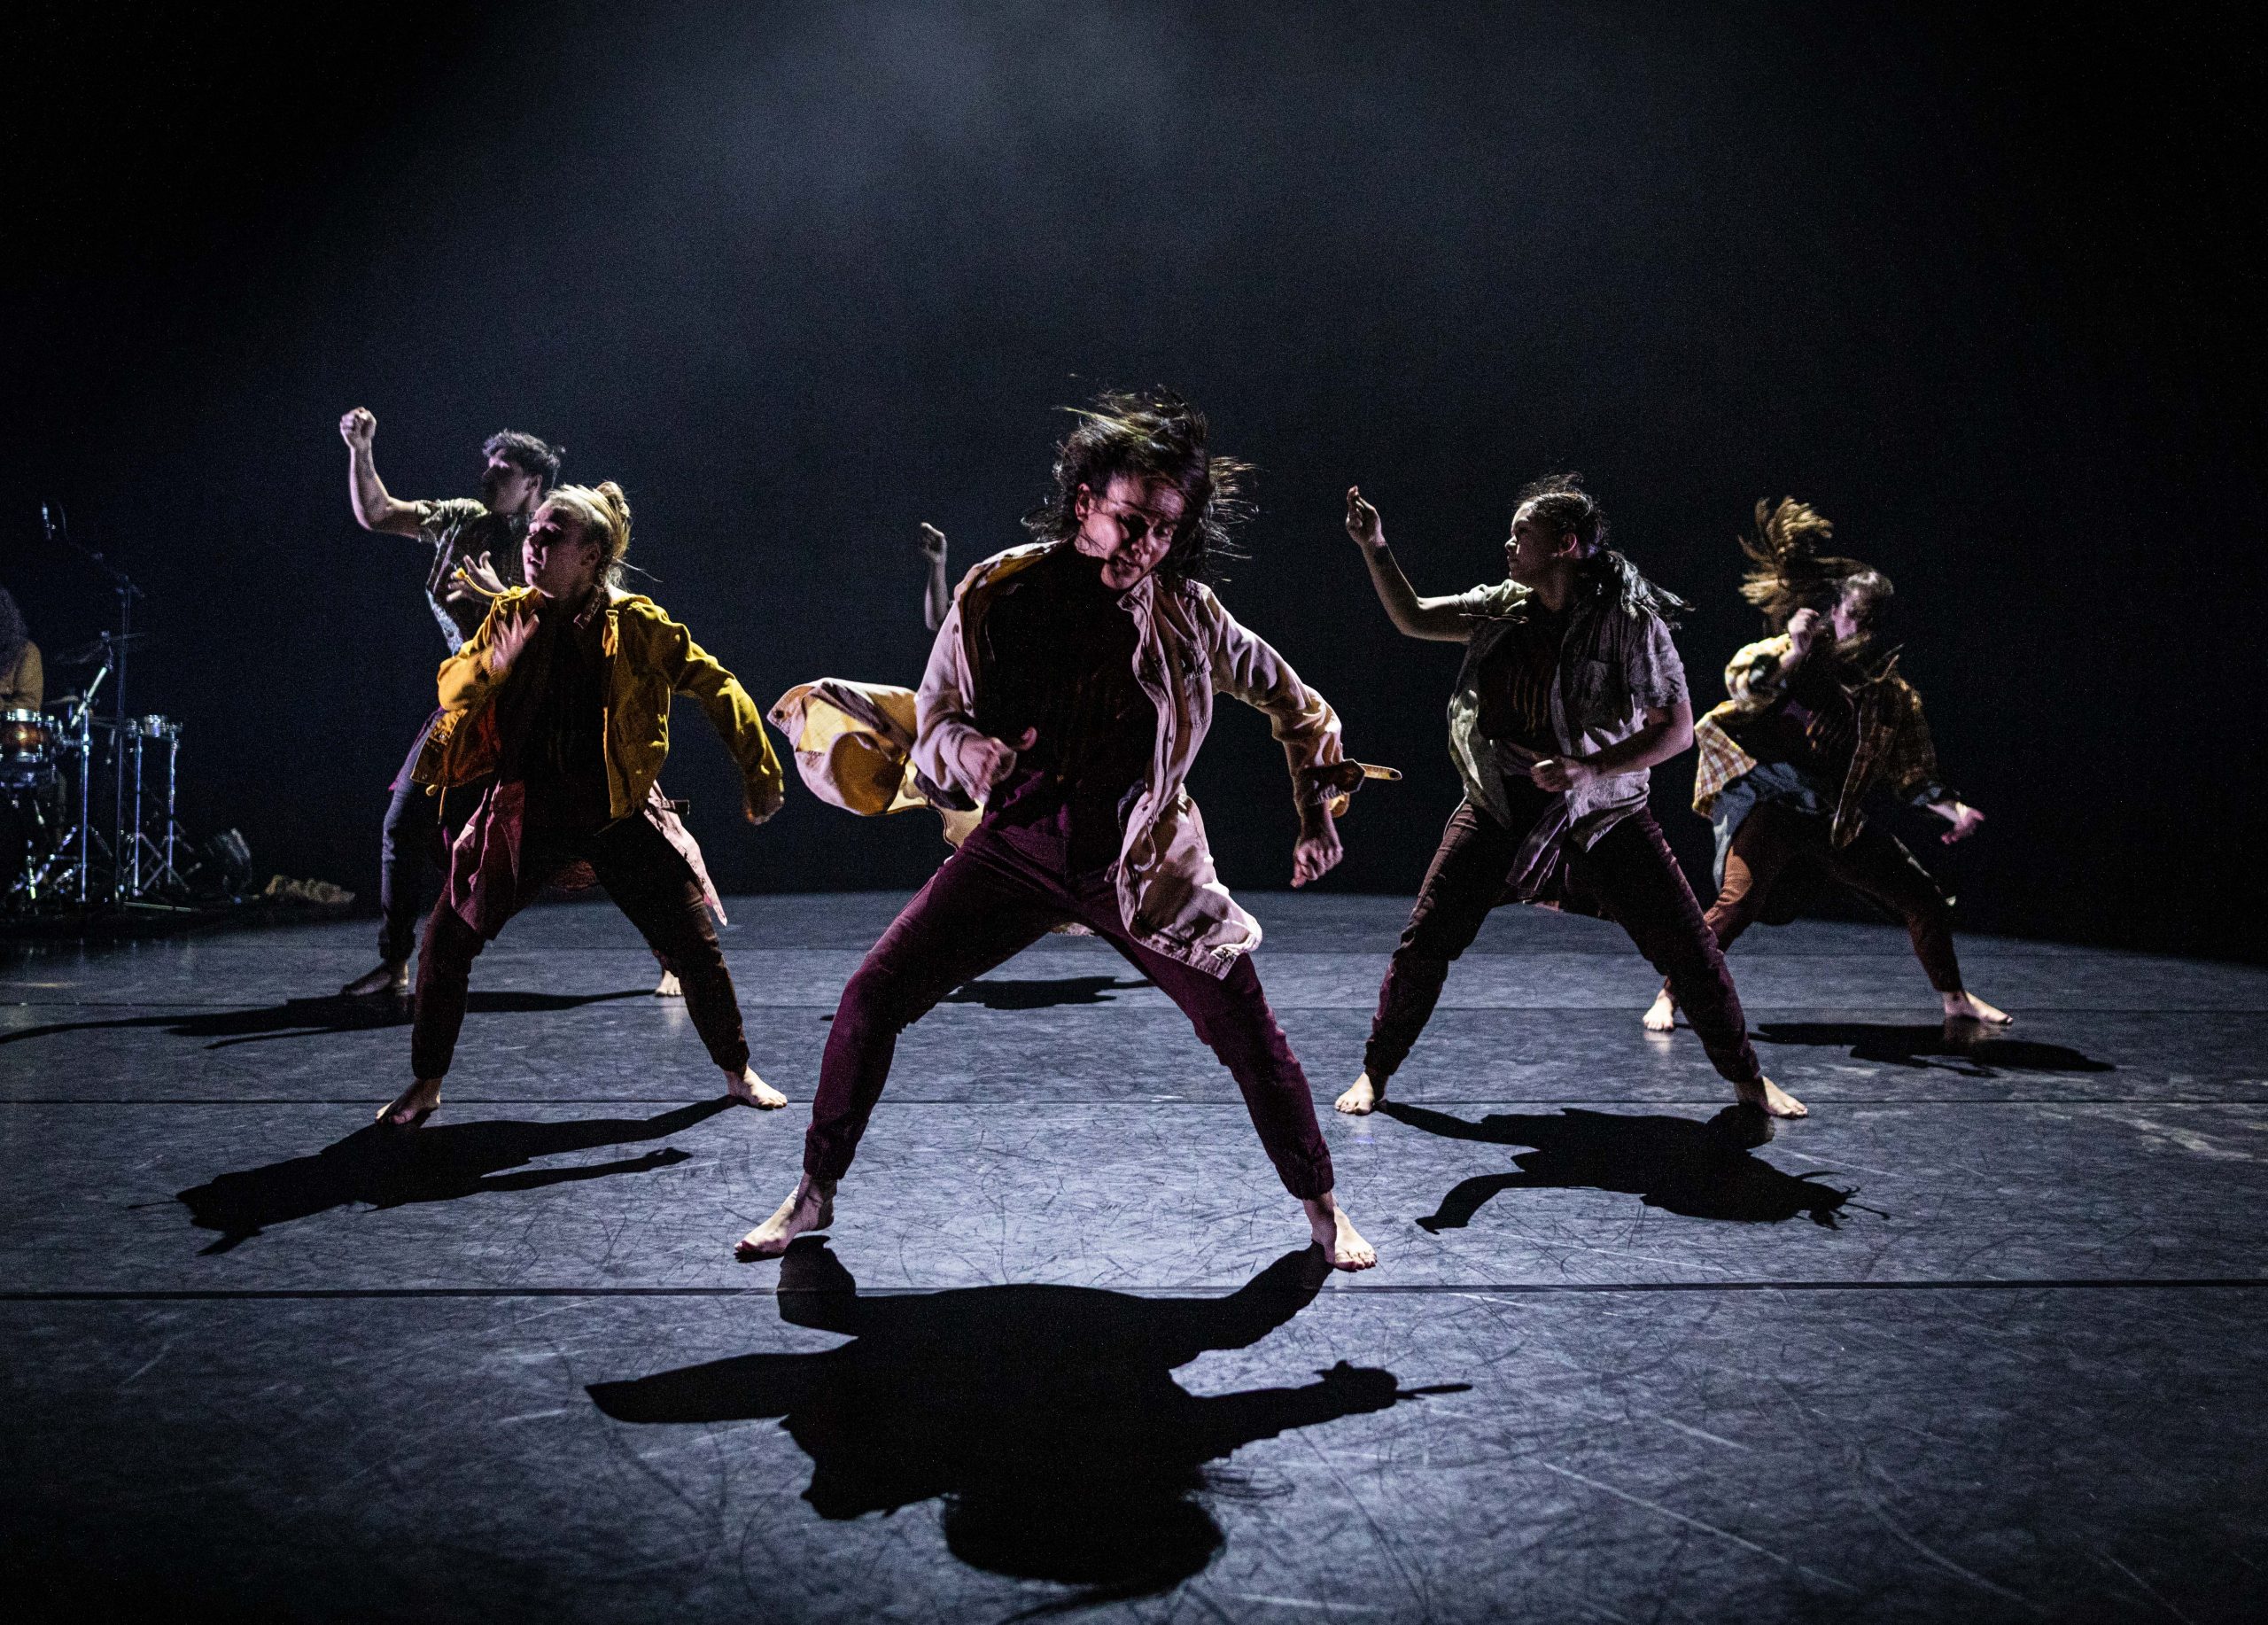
{"type": "Point", "coordinates": [650, 658]}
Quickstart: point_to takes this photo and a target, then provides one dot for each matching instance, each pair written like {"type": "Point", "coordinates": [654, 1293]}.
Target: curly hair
{"type": "Point", "coordinates": [528, 454]}
{"type": "Point", "coordinates": [1560, 503]}
{"type": "Point", "coordinates": [1788, 573]}
{"type": "Point", "coordinates": [1150, 436]}
{"type": "Point", "coordinates": [600, 515]}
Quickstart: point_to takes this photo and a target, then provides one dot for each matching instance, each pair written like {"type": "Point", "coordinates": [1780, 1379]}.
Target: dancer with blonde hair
{"type": "Point", "coordinates": [1821, 739]}
{"type": "Point", "coordinates": [564, 696]}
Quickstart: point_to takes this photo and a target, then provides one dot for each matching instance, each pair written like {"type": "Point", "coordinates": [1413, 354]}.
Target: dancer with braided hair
{"type": "Point", "coordinates": [563, 696]}
{"type": "Point", "coordinates": [1820, 740]}
{"type": "Point", "coordinates": [1571, 689]}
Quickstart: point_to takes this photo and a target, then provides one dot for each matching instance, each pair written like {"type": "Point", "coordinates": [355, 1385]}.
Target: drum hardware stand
{"type": "Point", "coordinates": [57, 525]}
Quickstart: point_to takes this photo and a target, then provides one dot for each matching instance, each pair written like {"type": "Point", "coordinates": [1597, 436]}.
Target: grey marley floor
{"type": "Point", "coordinates": [1981, 1339]}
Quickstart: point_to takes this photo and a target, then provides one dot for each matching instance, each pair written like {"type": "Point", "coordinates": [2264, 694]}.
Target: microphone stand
{"type": "Point", "coordinates": [57, 525]}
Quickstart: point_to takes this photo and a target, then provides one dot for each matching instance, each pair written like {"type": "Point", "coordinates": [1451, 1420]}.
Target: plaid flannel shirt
{"type": "Point", "coordinates": [1893, 750]}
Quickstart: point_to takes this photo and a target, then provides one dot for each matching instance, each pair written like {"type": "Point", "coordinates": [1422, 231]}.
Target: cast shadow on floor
{"type": "Point", "coordinates": [391, 1168]}
{"type": "Point", "coordinates": [1046, 1417]}
{"type": "Point", "coordinates": [1041, 995]}
{"type": "Point", "coordinates": [1700, 1169]}
{"type": "Point", "coordinates": [1975, 1050]}
{"type": "Point", "coordinates": [308, 1018]}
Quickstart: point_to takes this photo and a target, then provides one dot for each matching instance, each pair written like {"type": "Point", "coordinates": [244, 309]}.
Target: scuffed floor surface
{"type": "Point", "coordinates": [1979, 1341]}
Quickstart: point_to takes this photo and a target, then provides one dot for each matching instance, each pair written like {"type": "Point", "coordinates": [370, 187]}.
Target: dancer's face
{"type": "Point", "coordinates": [505, 486]}
{"type": "Point", "coordinates": [1534, 551]}
{"type": "Point", "coordinates": [1846, 619]}
{"type": "Point", "coordinates": [555, 559]}
{"type": "Point", "coordinates": [1129, 527]}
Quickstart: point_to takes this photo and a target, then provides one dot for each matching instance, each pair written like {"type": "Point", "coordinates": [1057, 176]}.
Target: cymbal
{"type": "Point", "coordinates": [88, 654]}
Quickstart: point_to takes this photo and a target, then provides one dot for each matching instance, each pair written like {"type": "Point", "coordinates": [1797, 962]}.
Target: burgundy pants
{"type": "Point", "coordinates": [1631, 873]}
{"type": "Point", "coordinates": [649, 881]}
{"type": "Point", "coordinates": [993, 898]}
{"type": "Point", "coordinates": [1876, 864]}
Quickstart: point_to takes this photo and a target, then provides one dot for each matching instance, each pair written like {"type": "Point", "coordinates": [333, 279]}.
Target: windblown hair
{"type": "Point", "coordinates": [528, 454]}
{"type": "Point", "coordinates": [13, 633]}
{"type": "Point", "coordinates": [1560, 502]}
{"type": "Point", "coordinates": [602, 516]}
{"type": "Point", "coordinates": [1788, 573]}
{"type": "Point", "coordinates": [1148, 436]}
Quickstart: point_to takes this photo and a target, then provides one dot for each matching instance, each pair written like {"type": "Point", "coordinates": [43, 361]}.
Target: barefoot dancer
{"type": "Point", "coordinates": [476, 554]}
{"type": "Point", "coordinates": [563, 696]}
{"type": "Point", "coordinates": [1069, 688]}
{"type": "Point", "coordinates": [1820, 731]}
{"type": "Point", "coordinates": [1571, 690]}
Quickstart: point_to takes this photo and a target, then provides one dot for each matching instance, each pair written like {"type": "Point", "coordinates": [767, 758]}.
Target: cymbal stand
{"type": "Point", "coordinates": [58, 528]}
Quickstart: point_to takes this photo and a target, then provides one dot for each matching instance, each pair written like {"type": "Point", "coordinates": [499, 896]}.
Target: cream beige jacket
{"type": "Point", "coordinates": [1188, 648]}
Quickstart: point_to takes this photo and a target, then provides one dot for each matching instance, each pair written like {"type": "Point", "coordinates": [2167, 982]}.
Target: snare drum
{"type": "Point", "coordinates": [153, 727]}
{"type": "Point", "coordinates": [27, 747]}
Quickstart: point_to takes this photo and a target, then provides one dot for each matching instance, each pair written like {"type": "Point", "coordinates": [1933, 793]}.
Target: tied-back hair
{"type": "Point", "coordinates": [527, 453]}
{"type": "Point", "coordinates": [1560, 502]}
{"type": "Point", "coordinates": [1788, 573]}
{"type": "Point", "coordinates": [13, 633]}
{"type": "Point", "coordinates": [600, 515]}
{"type": "Point", "coordinates": [1153, 435]}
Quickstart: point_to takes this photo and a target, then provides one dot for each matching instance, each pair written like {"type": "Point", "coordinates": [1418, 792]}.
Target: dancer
{"type": "Point", "coordinates": [560, 701]}
{"type": "Point", "coordinates": [476, 554]}
{"type": "Point", "coordinates": [1571, 690]}
{"type": "Point", "coordinates": [1069, 688]}
{"type": "Point", "coordinates": [1821, 738]}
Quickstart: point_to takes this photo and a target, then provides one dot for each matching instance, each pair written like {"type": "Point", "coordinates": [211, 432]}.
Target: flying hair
{"type": "Point", "coordinates": [1150, 435]}
{"type": "Point", "coordinates": [1560, 502]}
{"type": "Point", "coordinates": [1787, 571]}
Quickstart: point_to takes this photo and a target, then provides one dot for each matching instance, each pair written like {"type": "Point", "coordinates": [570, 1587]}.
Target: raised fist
{"type": "Point", "coordinates": [358, 427]}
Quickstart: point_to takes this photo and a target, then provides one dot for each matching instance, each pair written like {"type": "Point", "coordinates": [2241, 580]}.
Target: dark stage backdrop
{"type": "Point", "coordinates": [802, 275]}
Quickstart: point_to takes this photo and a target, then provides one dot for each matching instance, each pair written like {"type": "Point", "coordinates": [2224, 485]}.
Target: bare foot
{"type": "Point", "coordinates": [1360, 1098]}
{"type": "Point", "coordinates": [811, 1208]}
{"type": "Point", "coordinates": [667, 987]}
{"type": "Point", "coordinates": [1768, 1097]}
{"type": "Point", "coordinates": [413, 1105]}
{"type": "Point", "coordinates": [750, 1090]}
{"type": "Point", "coordinates": [1335, 1233]}
{"type": "Point", "coordinates": [385, 978]}
{"type": "Point", "coordinates": [1661, 1016]}
{"type": "Point", "coordinates": [1969, 1007]}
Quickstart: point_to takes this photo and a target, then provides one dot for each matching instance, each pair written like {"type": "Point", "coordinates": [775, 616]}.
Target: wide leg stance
{"type": "Point", "coordinates": [1771, 839]}
{"type": "Point", "coordinates": [993, 898]}
{"type": "Point", "coordinates": [1629, 869]}
{"type": "Point", "coordinates": [649, 881]}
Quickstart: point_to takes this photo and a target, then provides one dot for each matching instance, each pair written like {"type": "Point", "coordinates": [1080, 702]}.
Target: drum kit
{"type": "Point", "coordinates": [55, 761]}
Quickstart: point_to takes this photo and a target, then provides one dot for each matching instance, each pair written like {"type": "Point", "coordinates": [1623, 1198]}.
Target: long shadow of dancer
{"type": "Point", "coordinates": [1700, 1169]}
{"type": "Point", "coordinates": [1047, 1416]}
{"type": "Point", "coordinates": [306, 1018]}
{"type": "Point", "coordinates": [389, 1170]}
{"type": "Point", "coordinates": [1972, 1048]}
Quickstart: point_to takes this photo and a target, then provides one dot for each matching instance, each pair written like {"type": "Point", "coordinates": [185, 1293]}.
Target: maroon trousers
{"type": "Point", "coordinates": [1630, 872]}
{"type": "Point", "coordinates": [1876, 864]}
{"type": "Point", "coordinates": [993, 898]}
{"type": "Point", "coordinates": [649, 880]}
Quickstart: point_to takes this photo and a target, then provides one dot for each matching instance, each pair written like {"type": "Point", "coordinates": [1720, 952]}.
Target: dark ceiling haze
{"type": "Point", "coordinates": [802, 276]}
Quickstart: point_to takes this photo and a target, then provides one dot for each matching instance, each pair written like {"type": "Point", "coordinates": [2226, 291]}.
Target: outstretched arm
{"type": "Point", "coordinates": [374, 509]}
{"type": "Point", "coordinates": [1434, 619]}
{"type": "Point", "coordinates": [937, 594]}
{"type": "Point", "coordinates": [693, 672]}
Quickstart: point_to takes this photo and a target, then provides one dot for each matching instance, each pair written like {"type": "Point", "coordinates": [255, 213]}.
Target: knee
{"type": "Point", "coordinates": [874, 1003]}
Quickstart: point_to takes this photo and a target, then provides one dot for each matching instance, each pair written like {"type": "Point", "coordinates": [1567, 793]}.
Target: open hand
{"type": "Point", "coordinates": [357, 428]}
{"type": "Point", "coordinates": [1362, 521]}
{"type": "Point", "coordinates": [508, 640]}
{"type": "Point", "coordinates": [986, 761]}
{"type": "Point", "coordinates": [475, 578]}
